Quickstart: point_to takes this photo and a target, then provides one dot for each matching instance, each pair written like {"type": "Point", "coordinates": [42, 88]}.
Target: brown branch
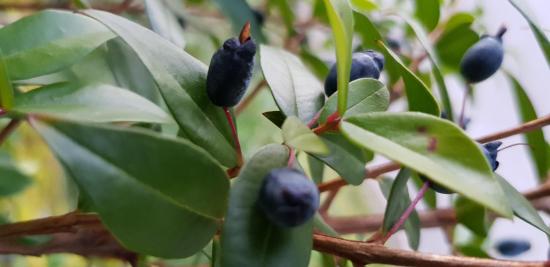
{"type": "Point", "coordinates": [376, 171]}
{"type": "Point", "coordinates": [248, 99]}
{"type": "Point", "coordinates": [5, 133]}
{"type": "Point", "coordinates": [365, 253]}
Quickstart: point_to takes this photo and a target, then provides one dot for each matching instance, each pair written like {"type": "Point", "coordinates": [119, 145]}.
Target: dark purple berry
{"type": "Point", "coordinates": [490, 150]}
{"type": "Point", "coordinates": [483, 59]}
{"type": "Point", "coordinates": [366, 64]}
{"type": "Point", "coordinates": [288, 198]}
{"type": "Point", "coordinates": [230, 70]}
{"type": "Point", "coordinates": [513, 247]}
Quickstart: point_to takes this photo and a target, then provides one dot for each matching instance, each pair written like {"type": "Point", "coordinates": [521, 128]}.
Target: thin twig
{"type": "Point", "coordinates": [248, 99]}
{"type": "Point", "coordinates": [5, 133]}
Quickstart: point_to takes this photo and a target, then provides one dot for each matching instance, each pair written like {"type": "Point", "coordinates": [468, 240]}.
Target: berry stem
{"type": "Point", "coordinates": [330, 125]}
{"type": "Point", "coordinates": [291, 157]}
{"type": "Point", "coordinates": [407, 212]}
{"type": "Point", "coordinates": [461, 119]}
{"type": "Point", "coordinates": [237, 144]}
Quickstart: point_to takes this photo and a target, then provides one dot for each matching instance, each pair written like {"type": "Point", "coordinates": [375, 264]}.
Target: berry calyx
{"type": "Point", "coordinates": [288, 198]}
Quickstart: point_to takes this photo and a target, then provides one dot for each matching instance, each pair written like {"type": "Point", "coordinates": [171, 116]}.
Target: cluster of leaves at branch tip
{"type": "Point", "coordinates": [490, 150]}
{"type": "Point", "coordinates": [365, 64]}
{"type": "Point", "coordinates": [231, 69]}
{"type": "Point", "coordinates": [288, 198]}
{"type": "Point", "coordinates": [484, 58]}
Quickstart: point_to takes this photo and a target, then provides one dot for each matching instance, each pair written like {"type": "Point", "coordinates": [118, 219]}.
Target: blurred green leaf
{"type": "Point", "coordinates": [535, 138]}
{"type": "Point", "coordinates": [248, 238]}
{"type": "Point", "coordinates": [286, 12]}
{"type": "Point", "coordinates": [365, 95]}
{"type": "Point", "coordinates": [434, 59]}
{"type": "Point", "coordinates": [430, 197]}
{"type": "Point", "coordinates": [181, 81]}
{"type": "Point", "coordinates": [148, 189]}
{"type": "Point", "coordinates": [345, 158]}
{"type": "Point", "coordinates": [456, 38]}
{"type": "Point", "coordinates": [366, 29]}
{"type": "Point", "coordinates": [164, 22]}
{"type": "Point", "coordinates": [318, 67]}
{"type": "Point", "coordinates": [81, 4]}
{"type": "Point", "coordinates": [432, 146]}
{"type": "Point", "coordinates": [296, 91]}
{"type": "Point", "coordinates": [239, 12]}
{"type": "Point", "coordinates": [93, 103]}
{"type": "Point", "coordinates": [398, 201]}
{"type": "Point", "coordinates": [341, 21]}
{"type": "Point", "coordinates": [472, 216]}
{"type": "Point", "coordinates": [6, 88]}
{"type": "Point", "coordinates": [364, 5]}
{"type": "Point", "coordinates": [12, 180]}
{"type": "Point", "coordinates": [427, 12]}
{"type": "Point", "coordinates": [49, 41]}
{"type": "Point", "coordinates": [522, 207]}
{"type": "Point", "coordinates": [541, 37]}
{"type": "Point", "coordinates": [297, 135]}
{"type": "Point", "coordinates": [419, 96]}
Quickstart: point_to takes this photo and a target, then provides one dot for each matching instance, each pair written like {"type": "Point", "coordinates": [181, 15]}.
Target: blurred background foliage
{"type": "Point", "coordinates": [199, 27]}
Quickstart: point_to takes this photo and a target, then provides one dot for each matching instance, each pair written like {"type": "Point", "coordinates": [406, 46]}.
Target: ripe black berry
{"type": "Point", "coordinates": [230, 70]}
{"type": "Point", "coordinates": [288, 198]}
{"type": "Point", "coordinates": [513, 247]}
{"type": "Point", "coordinates": [366, 64]}
{"type": "Point", "coordinates": [490, 150]}
{"type": "Point", "coordinates": [484, 58]}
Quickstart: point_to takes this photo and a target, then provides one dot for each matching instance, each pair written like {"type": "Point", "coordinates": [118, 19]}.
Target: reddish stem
{"type": "Point", "coordinates": [291, 157]}
{"type": "Point", "coordinates": [234, 171]}
{"type": "Point", "coordinates": [331, 125]}
{"type": "Point", "coordinates": [314, 120]}
{"type": "Point", "coordinates": [9, 129]}
{"type": "Point", "coordinates": [407, 212]}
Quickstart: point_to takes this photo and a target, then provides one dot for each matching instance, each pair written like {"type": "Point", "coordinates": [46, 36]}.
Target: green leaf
{"type": "Point", "coordinates": [419, 96]}
{"type": "Point", "coordinates": [535, 138]}
{"type": "Point", "coordinates": [286, 13]}
{"type": "Point", "coordinates": [297, 135]}
{"type": "Point", "coordinates": [522, 207]}
{"type": "Point", "coordinates": [341, 21]}
{"type": "Point", "coordinates": [248, 238]}
{"type": "Point", "coordinates": [6, 88]}
{"type": "Point", "coordinates": [320, 224]}
{"type": "Point", "coordinates": [472, 215]}
{"type": "Point", "coordinates": [398, 201]}
{"type": "Point", "coordinates": [366, 29]}
{"type": "Point", "coordinates": [436, 70]}
{"type": "Point", "coordinates": [430, 197]}
{"type": "Point", "coordinates": [316, 169]}
{"type": "Point", "coordinates": [48, 41]}
{"type": "Point", "coordinates": [345, 158]}
{"type": "Point", "coordinates": [12, 180]}
{"type": "Point", "coordinates": [164, 22]}
{"type": "Point", "coordinates": [364, 5]}
{"type": "Point", "coordinates": [432, 146]}
{"type": "Point", "coordinates": [239, 12]}
{"type": "Point", "coordinates": [427, 12]}
{"type": "Point", "coordinates": [148, 189]}
{"type": "Point", "coordinates": [94, 103]}
{"type": "Point", "coordinates": [456, 38]}
{"type": "Point", "coordinates": [365, 95]}
{"type": "Point", "coordinates": [541, 37]}
{"type": "Point", "coordinates": [296, 91]}
{"type": "Point", "coordinates": [181, 81]}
